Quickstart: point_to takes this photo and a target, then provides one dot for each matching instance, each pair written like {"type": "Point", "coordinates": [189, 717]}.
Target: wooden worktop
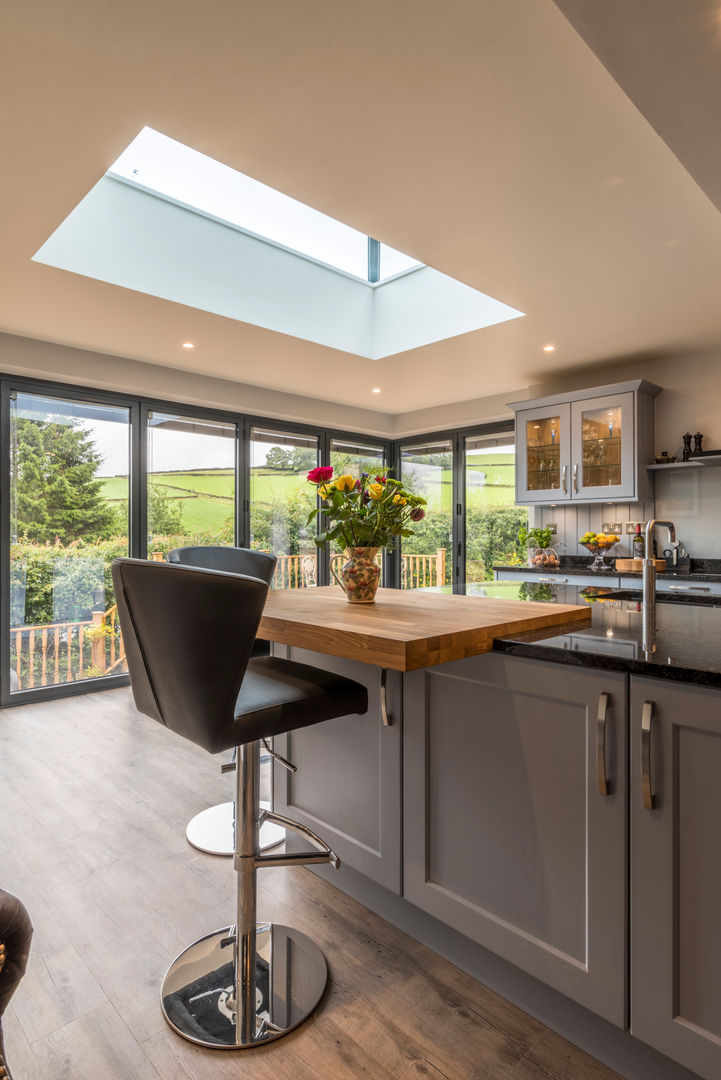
{"type": "Point", "coordinates": [403, 630]}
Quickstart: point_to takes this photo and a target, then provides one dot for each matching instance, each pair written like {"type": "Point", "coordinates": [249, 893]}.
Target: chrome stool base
{"type": "Point", "coordinates": [197, 995]}
{"type": "Point", "coordinates": [213, 831]}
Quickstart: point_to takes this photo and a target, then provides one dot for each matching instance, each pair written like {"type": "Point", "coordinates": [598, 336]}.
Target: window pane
{"type": "Point", "coordinates": [69, 505]}
{"type": "Point", "coordinates": [426, 560]}
{"type": "Point", "coordinates": [492, 521]}
{"type": "Point", "coordinates": [280, 501]}
{"type": "Point", "coordinates": [354, 457]}
{"type": "Point", "coordinates": [191, 482]}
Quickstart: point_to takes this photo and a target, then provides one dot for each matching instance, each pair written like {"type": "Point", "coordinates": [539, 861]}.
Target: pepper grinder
{"type": "Point", "coordinates": [697, 443]}
{"type": "Point", "coordinates": [686, 446]}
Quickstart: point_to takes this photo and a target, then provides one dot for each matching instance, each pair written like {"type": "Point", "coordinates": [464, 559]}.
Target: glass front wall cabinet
{"type": "Point", "coordinates": [492, 519]}
{"type": "Point", "coordinates": [191, 482]}
{"type": "Point", "coordinates": [426, 557]}
{"type": "Point", "coordinates": [354, 457]}
{"type": "Point", "coordinates": [594, 446]}
{"type": "Point", "coordinates": [69, 518]}
{"type": "Point", "coordinates": [281, 500]}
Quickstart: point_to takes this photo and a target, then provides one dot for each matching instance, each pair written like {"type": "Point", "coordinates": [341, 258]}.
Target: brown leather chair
{"type": "Point", "coordinates": [189, 636]}
{"type": "Point", "coordinates": [16, 931]}
{"type": "Point", "coordinates": [213, 830]}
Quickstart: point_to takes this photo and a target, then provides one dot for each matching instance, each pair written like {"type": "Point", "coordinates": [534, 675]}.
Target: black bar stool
{"type": "Point", "coordinates": [188, 637]}
{"type": "Point", "coordinates": [212, 830]}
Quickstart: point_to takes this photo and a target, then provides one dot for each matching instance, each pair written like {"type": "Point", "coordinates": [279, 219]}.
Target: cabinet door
{"type": "Point", "coordinates": [507, 836]}
{"type": "Point", "coordinates": [543, 454]}
{"type": "Point", "coordinates": [676, 872]}
{"type": "Point", "coordinates": [602, 448]}
{"type": "Point", "coordinates": [348, 784]}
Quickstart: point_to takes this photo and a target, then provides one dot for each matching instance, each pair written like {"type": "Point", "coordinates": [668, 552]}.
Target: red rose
{"type": "Point", "coordinates": [380, 480]}
{"type": "Point", "coordinates": [321, 475]}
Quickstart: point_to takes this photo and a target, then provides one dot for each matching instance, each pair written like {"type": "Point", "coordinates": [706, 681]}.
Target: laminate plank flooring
{"type": "Point", "coordinates": [95, 799]}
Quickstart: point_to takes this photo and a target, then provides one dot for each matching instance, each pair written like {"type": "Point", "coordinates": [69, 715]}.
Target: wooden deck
{"type": "Point", "coordinates": [95, 799]}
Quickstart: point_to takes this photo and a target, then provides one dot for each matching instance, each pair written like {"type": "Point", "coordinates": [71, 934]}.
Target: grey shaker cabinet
{"type": "Point", "coordinates": [348, 784]}
{"type": "Point", "coordinates": [676, 872]}
{"type": "Point", "coordinates": [507, 837]}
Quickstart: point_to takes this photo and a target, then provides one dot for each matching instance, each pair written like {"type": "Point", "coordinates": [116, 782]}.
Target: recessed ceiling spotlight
{"type": "Point", "coordinates": [376, 390]}
{"type": "Point", "coordinates": [549, 348]}
{"type": "Point", "coordinates": [188, 345]}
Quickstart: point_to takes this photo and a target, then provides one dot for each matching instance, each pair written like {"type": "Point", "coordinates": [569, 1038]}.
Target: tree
{"type": "Point", "coordinates": [58, 497]}
{"type": "Point", "coordinates": [278, 458]}
{"type": "Point", "coordinates": [165, 515]}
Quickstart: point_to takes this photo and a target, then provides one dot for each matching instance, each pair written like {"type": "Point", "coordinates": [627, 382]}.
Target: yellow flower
{"type": "Point", "coordinates": [375, 490]}
{"type": "Point", "coordinates": [399, 499]}
{"type": "Point", "coordinates": [324, 490]}
{"type": "Point", "coordinates": [345, 483]}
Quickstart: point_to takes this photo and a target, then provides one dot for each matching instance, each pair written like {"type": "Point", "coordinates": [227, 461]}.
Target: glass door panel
{"type": "Point", "coordinates": [426, 557]}
{"type": "Point", "coordinates": [601, 431]}
{"type": "Point", "coordinates": [492, 518]}
{"type": "Point", "coordinates": [191, 483]}
{"type": "Point", "coordinates": [603, 447]}
{"type": "Point", "coordinates": [353, 458]}
{"type": "Point", "coordinates": [69, 518]}
{"type": "Point", "coordinates": [543, 453]}
{"type": "Point", "coordinates": [280, 501]}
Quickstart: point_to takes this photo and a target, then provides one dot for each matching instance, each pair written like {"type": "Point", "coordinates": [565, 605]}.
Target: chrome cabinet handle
{"type": "Point", "coordinates": [689, 588]}
{"type": "Point", "coordinates": [564, 473]}
{"type": "Point", "coordinates": [575, 478]}
{"type": "Point", "coordinates": [604, 700]}
{"type": "Point", "coordinates": [387, 720]}
{"type": "Point", "coordinates": [646, 721]}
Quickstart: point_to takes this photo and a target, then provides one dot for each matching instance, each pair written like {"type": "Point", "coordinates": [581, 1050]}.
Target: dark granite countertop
{"type": "Point", "coordinates": [688, 634]}
{"type": "Point", "coordinates": [699, 569]}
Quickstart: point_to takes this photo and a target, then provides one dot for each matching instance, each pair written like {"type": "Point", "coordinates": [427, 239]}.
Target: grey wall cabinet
{"type": "Point", "coordinates": [348, 784]}
{"type": "Point", "coordinates": [588, 446]}
{"type": "Point", "coordinates": [507, 836]}
{"type": "Point", "coordinates": [676, 871]}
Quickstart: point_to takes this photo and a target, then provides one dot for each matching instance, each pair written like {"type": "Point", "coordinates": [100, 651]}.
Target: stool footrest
{"type": "Point", "coordinates": [323, 854]}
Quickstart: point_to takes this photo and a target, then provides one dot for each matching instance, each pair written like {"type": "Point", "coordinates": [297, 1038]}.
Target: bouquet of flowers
{"type": "Point", "coordinates": [368, 512]}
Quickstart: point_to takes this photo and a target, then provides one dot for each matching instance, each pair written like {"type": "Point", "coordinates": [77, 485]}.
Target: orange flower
{"type": "Point", "coordinates": [375, 490]}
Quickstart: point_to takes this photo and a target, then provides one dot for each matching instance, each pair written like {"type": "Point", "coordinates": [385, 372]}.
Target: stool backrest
{"type": "Point", "coordinates": [188, 635]}
{"type": "Point", "coordinates": [233, 560]}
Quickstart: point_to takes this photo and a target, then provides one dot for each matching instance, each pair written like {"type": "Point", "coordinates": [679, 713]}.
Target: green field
{"type": "Point", "coordinates": [207, 496]}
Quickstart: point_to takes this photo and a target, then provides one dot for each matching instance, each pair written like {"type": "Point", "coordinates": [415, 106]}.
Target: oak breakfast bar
{"type": "Point", "coordinates": [481, 804]}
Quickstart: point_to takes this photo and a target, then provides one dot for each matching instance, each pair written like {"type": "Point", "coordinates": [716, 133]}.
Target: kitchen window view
{"type": "Point", "coordinates": [69, 518]}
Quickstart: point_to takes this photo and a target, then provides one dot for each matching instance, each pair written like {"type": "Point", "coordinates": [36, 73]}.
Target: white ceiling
{"type": "Point", "coordinates": [482, 137]}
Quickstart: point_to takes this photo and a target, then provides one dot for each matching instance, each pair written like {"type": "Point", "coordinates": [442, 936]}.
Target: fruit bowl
{"type": "Point", "coordinates": [598, 544]}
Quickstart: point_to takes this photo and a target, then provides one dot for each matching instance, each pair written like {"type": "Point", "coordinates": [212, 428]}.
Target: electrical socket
{"type": "Point", "coordinates": [612, 527]}
{"type": "Point", "coordinates": [553, 527]}
{"type": "Point", "coordinates": [631, 526]}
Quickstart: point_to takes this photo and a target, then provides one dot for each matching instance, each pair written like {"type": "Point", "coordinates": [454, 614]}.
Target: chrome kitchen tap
{"type": "Point", "coordinates": [649, 586]}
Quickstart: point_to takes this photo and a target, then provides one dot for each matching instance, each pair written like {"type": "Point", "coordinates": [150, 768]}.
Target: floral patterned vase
{"type": "Point", "coordinates": [359, 574]}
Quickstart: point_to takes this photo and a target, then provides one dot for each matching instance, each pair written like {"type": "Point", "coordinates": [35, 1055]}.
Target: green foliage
{"type": "Point", "coordinates": [541, 538]}
{"type": "Point", "coordinates": [57, 494]}
{"type": "Point", "coordinates": [165, 515]}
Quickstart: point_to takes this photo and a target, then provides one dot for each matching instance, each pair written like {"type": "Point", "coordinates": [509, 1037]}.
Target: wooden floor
{"type": "Point", "coordinates": [94, 801]}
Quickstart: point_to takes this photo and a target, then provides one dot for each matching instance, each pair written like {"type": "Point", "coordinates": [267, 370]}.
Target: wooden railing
{"type": "Point", "coordinates": [51, 653]}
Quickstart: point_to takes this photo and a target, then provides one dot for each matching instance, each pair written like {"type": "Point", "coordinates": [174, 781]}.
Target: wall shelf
{"type": "Point", "coordinates": [694, 463]}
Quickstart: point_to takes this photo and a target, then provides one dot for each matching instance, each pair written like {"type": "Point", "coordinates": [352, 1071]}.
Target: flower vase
{"type": "Point", "coordinates": [359, 574]}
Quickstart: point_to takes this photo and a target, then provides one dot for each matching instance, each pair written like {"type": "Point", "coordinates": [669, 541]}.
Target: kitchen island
{"type": "Point", "coordinates": [483, 805]}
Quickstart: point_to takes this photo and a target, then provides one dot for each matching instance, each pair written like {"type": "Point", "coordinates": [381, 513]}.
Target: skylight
{"type": "Point", "coordinates": [168, 168]}
{"type": "Point", "coordinates": [170, 222]}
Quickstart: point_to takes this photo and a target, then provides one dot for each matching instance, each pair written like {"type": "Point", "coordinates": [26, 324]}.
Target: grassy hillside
{"type": "Point", "coordinates": [207, 496]}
